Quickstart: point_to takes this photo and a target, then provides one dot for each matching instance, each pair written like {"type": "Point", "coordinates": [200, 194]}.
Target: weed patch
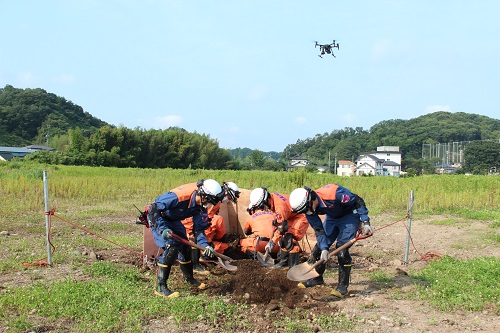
{"type": "Point", "coordinates": [462, 284]}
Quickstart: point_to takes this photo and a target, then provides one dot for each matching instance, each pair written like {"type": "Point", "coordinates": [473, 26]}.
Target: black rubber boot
{"type": "Point", "coordinates": [162, 273]}
{"type": "Point", "coordinates": [252, 255]}
{"type": "Point", "coordinates": [320, 269]}
{"type": "Point", "coordinates": [187, 271]}
{"type": "Point", "coordinates": [315, 255]}
{"type": "Point", "coordinates": [293, 259]}
{"type": "Point", "coordinates": [312, 282]}
{"type": "Point", "coordinates": [197, 268]}
{"type": "Point", "coordinates": [344, 276]}
{"type": "Point", "coordinates": [283, 255]}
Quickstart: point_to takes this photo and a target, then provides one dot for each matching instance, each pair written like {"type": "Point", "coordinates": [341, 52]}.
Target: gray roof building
{"type": "Point", "coordinates": [8, 153]}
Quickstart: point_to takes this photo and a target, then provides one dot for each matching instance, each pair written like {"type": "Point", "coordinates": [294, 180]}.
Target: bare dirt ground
{"type": "Point", "coordinates": [371, 307]}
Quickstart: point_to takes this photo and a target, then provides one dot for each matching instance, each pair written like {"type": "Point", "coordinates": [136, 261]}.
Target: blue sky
{"type": "Point", "coordinates": [247, 73]}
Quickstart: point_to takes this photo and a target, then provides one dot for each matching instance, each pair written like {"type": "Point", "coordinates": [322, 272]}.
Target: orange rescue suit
{"type": "Point", "coordinates": [261, 227]}
{"type": "Point", "coordinates": [297, 223]}
{"type": "Point", "coordinates": [216, 229]}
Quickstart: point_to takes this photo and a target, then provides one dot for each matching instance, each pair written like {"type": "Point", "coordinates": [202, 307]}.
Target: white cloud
{"type": "Point", "coordinates": [26, 79]}
{"type": "Point", "coordinates": [386, 51]}
{"type": "Point", "coordinates": [234, 129]}
{"type": "Point", "coordinates": [168, 121]}
{"type": "Point", "coordinates": [435, 108]}
{"type": "Point", "coordinates": [381, 49]}
{"type": "Point", "coordinates": [349, 118]}
{"type": "Point", "coordinates": [258, 93]}
{"type": "Point", "coordinates": [66, 79]}
{"type": "Point", "coordinates": [300, 120]}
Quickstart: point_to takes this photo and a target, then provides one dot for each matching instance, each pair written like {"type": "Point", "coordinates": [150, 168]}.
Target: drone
{"type": "Point", "coordinates": [327, 48]}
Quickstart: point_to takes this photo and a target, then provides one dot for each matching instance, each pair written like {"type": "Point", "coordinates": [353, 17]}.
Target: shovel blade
{"type": "Point", "coordinates": [226, 265]}
{"type": "Point", "coordinates": [265, 259]}
{"type": "Point", "coordinates": [302, 272]}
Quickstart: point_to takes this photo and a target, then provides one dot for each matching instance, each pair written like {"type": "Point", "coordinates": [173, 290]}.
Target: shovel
{"type": "Point", "coordinates": [306, 271]}
{"type": "Point", "coordinates": [265, 259]}
{"type": "Point", "coordinates": [222, 260]}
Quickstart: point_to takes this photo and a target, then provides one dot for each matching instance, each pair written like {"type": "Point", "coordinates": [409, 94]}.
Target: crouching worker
{"type": "Point", "coordinates": [291, 231]}
{"type": "Point", "coordinates": [290, 227]}
{"type": "Point", "coordinates": [259, 229]}
{"type": "Point", "coordinates": [165, 216]}
{"type": "Point", "coordinates": [216, 229]}
{"type": "Point", "coordinates": [215, 234]}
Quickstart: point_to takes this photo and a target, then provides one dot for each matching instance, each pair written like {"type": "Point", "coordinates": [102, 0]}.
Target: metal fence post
{"type": "Point", "coordinates": [408, 237]}
{"type": "Point", "coordinates": [47, 218]}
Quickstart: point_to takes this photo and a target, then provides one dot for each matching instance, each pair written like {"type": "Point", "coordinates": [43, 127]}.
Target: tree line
{"type": "Point", "coordinates": [33, 116]}
{"type": "Point", "coordinates": [137, 148]}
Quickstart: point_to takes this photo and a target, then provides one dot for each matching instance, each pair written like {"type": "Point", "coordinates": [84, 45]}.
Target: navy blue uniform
{"type": "Point", "coordinates": [343, 214]}
{"type": "Point", "coordinates": [173, 207]}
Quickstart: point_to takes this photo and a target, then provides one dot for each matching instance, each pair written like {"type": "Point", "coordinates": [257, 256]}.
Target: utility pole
{"type": "Point", "coordinates": [335, 166]}
{"type": "Point", "coordinates": [329, 169]}
{"type": "Point", "coordinates": [47, 135]}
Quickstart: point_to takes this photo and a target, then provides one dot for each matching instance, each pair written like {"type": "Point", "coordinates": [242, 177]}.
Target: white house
{"type": "Point", "coordinates": [297, 162]}
{"type": "Point", "coordinates": [367, 164]}
{"type": "Point", "coordinates": [346, 168]}
{"type": "Point", "coordinates": [386, 161]}
{"type": "Point", "coordinates": [391, 168]}
{"type": "Point", "coordinates": [388, 153]}
{"type": "Point", "coordinates": [322, 168]}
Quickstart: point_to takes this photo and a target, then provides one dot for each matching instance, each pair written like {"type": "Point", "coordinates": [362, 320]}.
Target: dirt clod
{"type": "Point", "coordinates": [253, 283]}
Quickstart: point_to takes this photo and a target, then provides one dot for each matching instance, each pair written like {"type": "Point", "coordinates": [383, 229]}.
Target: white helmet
{"type": "Point", "coordinates": [210, 190]}
{"type": "Point", "coordinates": [250, 209]}
{"type": "Point", "coordinates": [232, 192]}
{"type": "Point", "coordinates": [259, 197]}
{"type": "Point", "coordinates": [300, 199]}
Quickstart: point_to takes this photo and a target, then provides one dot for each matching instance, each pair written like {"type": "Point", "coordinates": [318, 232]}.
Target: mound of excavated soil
{"type": "Point", "coordinates": [252, 283]}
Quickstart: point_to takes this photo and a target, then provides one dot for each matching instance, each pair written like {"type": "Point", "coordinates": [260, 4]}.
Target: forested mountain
{"type": "Point", "coordinates": [242, 153]}
{"type": "Point", "coordinates": [27, 116]}
{"type": "Point", "coordinates": [409, 135]}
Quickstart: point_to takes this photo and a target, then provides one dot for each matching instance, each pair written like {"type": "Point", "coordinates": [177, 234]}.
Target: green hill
{"type": "Point", "coordinates": [28, 115]}
{"type": "Point", "coordinates": [409, 135]}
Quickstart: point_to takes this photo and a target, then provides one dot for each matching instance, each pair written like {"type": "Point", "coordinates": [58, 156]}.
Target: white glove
{"type": "Point", "coordinates": [209, 252]}
{"type": "Point", "coordinates": [324, 255]}
{"type": "Point", "coordinates": [367, 228]}
{"type": "Point", "coordinates": [269, 246]}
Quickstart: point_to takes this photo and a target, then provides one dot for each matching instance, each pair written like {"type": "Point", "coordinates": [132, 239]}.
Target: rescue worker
{"type": "Point", "coordinates": [231, 192]}
{"type": "Point", "coordinates": [216, 229]}
{"type": "Point", "coordinates": [165, 216]}
{"type": "Point", "coordinates": [259, 229]}
{"type": "Point", "coordinates": [345, 213]}
{"type": "Point", "coordinates": [290, 227]}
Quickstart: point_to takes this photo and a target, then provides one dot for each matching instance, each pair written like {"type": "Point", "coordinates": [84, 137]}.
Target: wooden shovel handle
{"type": "Point", "coordinates": [199, 247]}
{"type": "Point", "coordinates": [337, 250]}
{"type": "Point", "coordinates": [334, 252]}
